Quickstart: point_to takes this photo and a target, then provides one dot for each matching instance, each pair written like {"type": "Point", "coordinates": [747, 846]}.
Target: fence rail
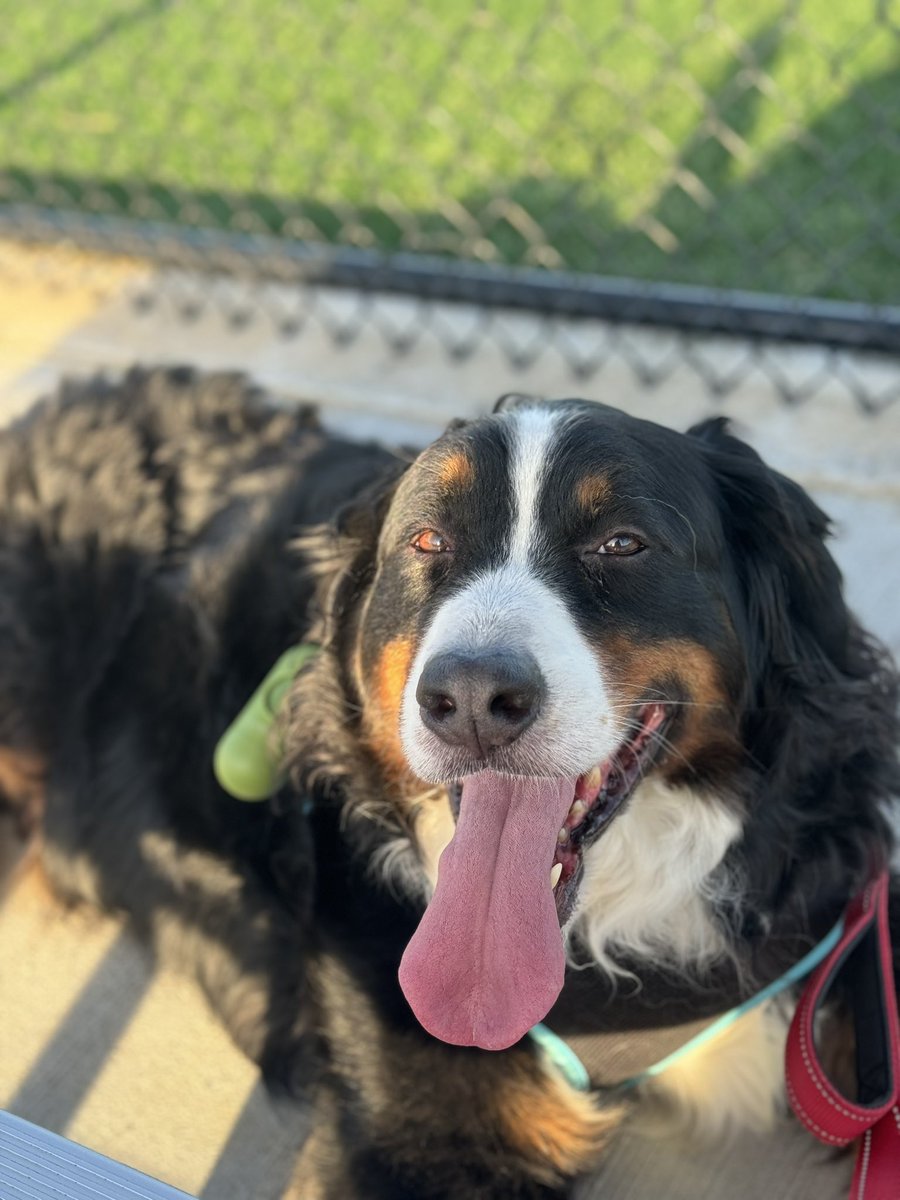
{"type": "Point", "coordinates": [706, 166]}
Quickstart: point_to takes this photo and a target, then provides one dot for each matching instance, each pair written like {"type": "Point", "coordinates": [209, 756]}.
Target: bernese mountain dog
{"type": "Point", "coordinates": [586, 740]}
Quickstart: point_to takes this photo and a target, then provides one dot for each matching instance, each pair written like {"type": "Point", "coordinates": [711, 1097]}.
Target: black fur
{"type": "Point", "coordinates": [147, 582]}
{"type": "Point", "coordinates": [820, 725]}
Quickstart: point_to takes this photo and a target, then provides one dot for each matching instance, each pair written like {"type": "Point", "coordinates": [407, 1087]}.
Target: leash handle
{"type": "Point", "coordinates": [864, 956]}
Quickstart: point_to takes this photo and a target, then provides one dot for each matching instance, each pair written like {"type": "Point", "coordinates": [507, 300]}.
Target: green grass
{"type": "Point", "coordinates": [757, 149]}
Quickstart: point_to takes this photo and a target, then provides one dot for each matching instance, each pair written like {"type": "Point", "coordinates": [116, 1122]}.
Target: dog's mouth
{"type": "Point", "coordinates": [487, 961]}
{"type": "Point", "coordinates": [599, 795]}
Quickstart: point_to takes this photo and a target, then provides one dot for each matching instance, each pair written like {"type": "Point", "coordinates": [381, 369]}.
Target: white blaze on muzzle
{"type": "Point", "coordinates": [511, 608]}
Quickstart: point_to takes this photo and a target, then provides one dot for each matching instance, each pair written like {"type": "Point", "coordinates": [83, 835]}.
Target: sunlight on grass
{"type": "Point", "coordinates": [657, 141]}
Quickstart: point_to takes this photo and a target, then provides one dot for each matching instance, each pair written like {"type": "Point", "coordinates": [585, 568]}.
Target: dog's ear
{"type": "Point", "coordinates": [820, 714]}
{"type": "Point", "coordinates": [513, 400]}
{"type": "Point", "coordinates": [791, 585]}
{"type": "Point", "coordinates": [340, 554]}
{"type": "Point", "coordinates": [360, 519]}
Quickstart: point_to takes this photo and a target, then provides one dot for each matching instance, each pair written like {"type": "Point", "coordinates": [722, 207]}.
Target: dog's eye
{"type": "Point", "coordinates": [621, 543]}
{"type": "Point", "coordinates": [429, 541]}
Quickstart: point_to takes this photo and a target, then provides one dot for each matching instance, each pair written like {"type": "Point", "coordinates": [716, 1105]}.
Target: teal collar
{"type": "Point", "coordinates": [562, 1058]}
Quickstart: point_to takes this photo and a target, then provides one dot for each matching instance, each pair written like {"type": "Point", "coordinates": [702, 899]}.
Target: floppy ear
{"type": "Point", "coordinates": [820, 719]}
{"type": "Point", "coordinates": [513, 400]}
{"type": "Point", "coordinates": [340, 554]}
{"type": "Point", "coordinates": [359, 520]}
{"type": "Point", "coordinates": [791, 585]}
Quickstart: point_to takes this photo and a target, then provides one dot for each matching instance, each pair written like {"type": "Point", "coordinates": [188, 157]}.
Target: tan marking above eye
{"type": "Point", "coordinates": [456, 471]}
{"type": "Point", "coordinates": [593, 491]}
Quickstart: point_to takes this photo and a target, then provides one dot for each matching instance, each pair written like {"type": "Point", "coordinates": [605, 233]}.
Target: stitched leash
{"type": "Point", "coordinates": [863, 956]}
{"type": "Point", "coordinates": [858, 948]}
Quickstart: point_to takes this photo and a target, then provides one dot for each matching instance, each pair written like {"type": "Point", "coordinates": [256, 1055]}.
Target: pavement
{"type": "Point", "coordinates": [97, 1044]}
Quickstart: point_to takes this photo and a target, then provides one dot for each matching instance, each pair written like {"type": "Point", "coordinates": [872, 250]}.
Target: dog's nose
{"type": "Point", "coordinates": [480, 701]}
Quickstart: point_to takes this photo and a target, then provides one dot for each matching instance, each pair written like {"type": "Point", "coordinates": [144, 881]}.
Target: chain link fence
{"type": "Point", "coordinates": [701, 167]}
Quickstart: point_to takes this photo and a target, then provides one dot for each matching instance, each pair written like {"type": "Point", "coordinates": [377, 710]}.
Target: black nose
{"type": "Point", "coordinates": [480, 701]}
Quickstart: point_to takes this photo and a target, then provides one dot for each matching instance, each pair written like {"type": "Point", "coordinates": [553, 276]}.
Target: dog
{"type": "Point", "coordinates": [586, 732]}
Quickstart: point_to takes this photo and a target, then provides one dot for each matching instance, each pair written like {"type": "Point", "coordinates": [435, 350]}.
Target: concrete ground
{"type": "Point", "coordinates": [95, 1044]}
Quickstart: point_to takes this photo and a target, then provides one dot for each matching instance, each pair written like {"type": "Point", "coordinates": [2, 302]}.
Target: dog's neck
{"type": "Point", "coordinates": [655, 883]}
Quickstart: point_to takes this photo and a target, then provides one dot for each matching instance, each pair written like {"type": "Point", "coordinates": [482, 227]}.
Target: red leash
{"type": "Point", "coordinates": [863, 956]}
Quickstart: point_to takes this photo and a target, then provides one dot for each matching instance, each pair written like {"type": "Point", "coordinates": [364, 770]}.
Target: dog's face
{"type": "Point", "coordinates": [556, 613]}
{"type": "Point", "coordinates": [550, 599]}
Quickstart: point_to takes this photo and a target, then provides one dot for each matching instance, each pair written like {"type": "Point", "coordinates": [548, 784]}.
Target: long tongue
{"type": "Point", "coordinates": [487, 960]}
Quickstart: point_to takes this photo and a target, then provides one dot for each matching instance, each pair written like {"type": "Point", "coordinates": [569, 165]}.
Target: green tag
{"type": "Point", "coordinates": [245, 762]}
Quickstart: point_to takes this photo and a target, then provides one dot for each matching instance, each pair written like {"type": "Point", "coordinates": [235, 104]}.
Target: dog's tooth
{"type": "Point", "coordinates": [578, 809]}
{"type": "Point", "coordinates": [555, 873]}
{"type": "Point", "coordinates": [563, 836]}
{"type": "Point", "coordinates": [594, 778]}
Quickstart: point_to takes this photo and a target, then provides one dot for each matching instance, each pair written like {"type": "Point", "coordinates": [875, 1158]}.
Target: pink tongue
{"type": "Point", "coordinates": [487, 960]}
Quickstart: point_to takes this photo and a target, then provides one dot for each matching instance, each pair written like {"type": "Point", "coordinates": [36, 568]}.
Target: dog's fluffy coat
{"type": "Point", "coordinates": [163, 540]}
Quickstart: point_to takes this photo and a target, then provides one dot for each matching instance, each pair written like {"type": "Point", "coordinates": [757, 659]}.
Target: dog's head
{"type": "Point", "coordinates": [554, 607]}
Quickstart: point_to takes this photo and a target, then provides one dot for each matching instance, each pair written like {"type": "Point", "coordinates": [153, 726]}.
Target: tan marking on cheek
{"type": "Point", "coordinates": [382, 717]}
{"type": "Point", "coordinates": [636, 668]}
{"type": "Point", "coordinates": [393, 672]}
{"type": "Point", "coordinates": [593, 491]}
{"type": "Point", "coordinates": [456, 471]}
{"type": "Point", "coordinates": [553, 1126]}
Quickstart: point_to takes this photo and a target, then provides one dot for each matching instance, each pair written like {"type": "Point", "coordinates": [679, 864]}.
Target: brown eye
{"type": "Point", "coordinates": [621, 543]}
{"type": "Point", "coordinates": [429, 541]}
